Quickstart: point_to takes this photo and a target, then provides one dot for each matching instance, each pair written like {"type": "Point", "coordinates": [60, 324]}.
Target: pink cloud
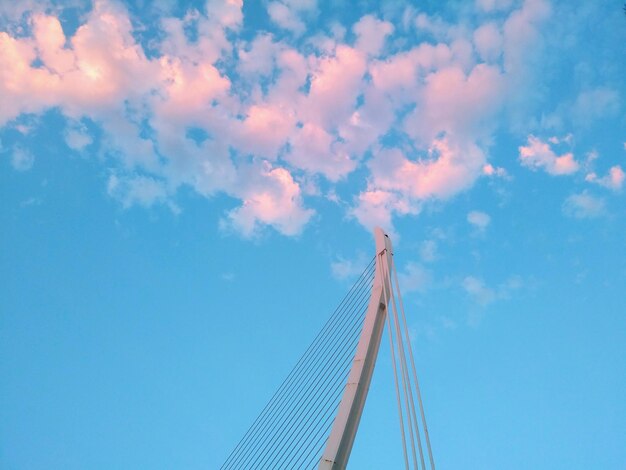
{"type": "Point", "coordinates": [286, 117]}
{"type": "Point", "coordinates": [371, 34]}
{"type": "Point", "coordinates": [443, 172]}
{"type": "Point", "coordinates": [286, 18]}
{"type": "Point", "coordinates": [266, 129]}
{"type": "Point", "coordinates": [313, 149]}
{"type": "Point", "coordinates": [188, 89]}
{"type": "Point", "coordinates": [50, 41]}
{"type": "Point", "coordinates": [287, 14]}
{"type": "Point", "coordinates": [491, 5]}
{"type": "Point", "coordinates": [270, 197]}
{"type": "Point", "coordinates": [375, 207]}
{"type": "Point", "coordinates": [23, 88]}
{"type": "Point", "coordinates": [258, 59]}
{"type": "Point", "coordinates": [399, 185]}
{"type": "Point", "coordinates": [367, 123]}
{"type": "Point", "coordinates": [335, 85]}
{"type": "Point", "coordinates": [401, 70]}
{"type": "Point", "coordinates": [228, 13]}
{"type": "Point", "coordinates": [538, 155]}
{"type": "Point", "coordinates": [520, 33]}
{"type": "Point", "coordinates": [490, 170]}
{"type": "Point", "coordinates": [456, 103]}
{"type": "Point", "coordinates": [613, 180]}
{"type": "Point", "coordinates": [488, 42]}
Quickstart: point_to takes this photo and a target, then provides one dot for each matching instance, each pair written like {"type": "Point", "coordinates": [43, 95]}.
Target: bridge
{"type": "Point", "coordinates": [312, 419]}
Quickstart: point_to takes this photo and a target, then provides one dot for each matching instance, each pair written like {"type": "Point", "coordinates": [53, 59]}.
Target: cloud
{"type": "Point", "coordinates": [428, 251]}
{"type": "Point", "coordinates": [343, 269]}
{"type": "Point", "coordinates": [142, 190]}
{"type": "Point", "coordinates": [490, 170]}
{"type": "Point", "coordinates": [285, 17]}
{"type": "Point", "coordinates": [77, 137]}
{"type": "Point", "coordinates": [374, 208]}
{"type": "Point", "coordinates": [593, 105]}
{"type": "Point", "coordinates": [287, 14]}
{"type": "Point", "coordinates": [477, 289]}
{"type": "Point", "coordinates": [539, 155]}
{"type": "Point", "coordinates": [22, 159]}
{"type": "Point", "coordinates": [584, 206]}
{"type": "Point", "coordinates": [614, 180]}
{"type": "Point", "coordinates": [484, 295]}
{"type": "Point", "coordinates": [493, 5]}
{"type": "Point", "coordinates": [415, 278]}
{"type": "Point", "coordinates": [258, 116]}
{"type": "Point", "coordinates": [270, 197]}
{"type": "Point", "coordinates": [478, 219]}
{"type": "Point", "coordinates": [398, 184]}
{"type": "Point", "coordinates": [228, 13]}
{"type": "Point", "coordinates": [488, 42]}
{"type": "Point", "coordinates": [371, 34]}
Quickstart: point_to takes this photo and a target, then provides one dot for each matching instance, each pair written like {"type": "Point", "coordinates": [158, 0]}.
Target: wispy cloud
{"type": "Point", "coordinates": [346, 269]}
{"type": "Point", "coordinates": [415, 278]}
{"type": "Point", "coordinates": [479, 220]}
{"type": "Point", "coordinates": [22, 159]}
{"type": "Point", "coordinates": [584, 206]}
{"type": "Point", "coordinates": [484, 295]}
{"type": "Point", "coordinates": [429, 251]}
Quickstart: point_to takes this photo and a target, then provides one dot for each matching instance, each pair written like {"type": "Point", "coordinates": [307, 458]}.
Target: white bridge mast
{"type": "Point", "coordinates": [341, 438]}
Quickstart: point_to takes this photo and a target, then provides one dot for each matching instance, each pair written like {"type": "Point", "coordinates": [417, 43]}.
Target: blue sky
{"type": "Point", "coordinates": [188, 189]}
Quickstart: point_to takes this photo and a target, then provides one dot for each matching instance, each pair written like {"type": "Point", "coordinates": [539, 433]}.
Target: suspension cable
{"type": "Point", "coordinates": [395, 376]}
{"type": "Point", "coordinates": [417, 387]}
{"type": "Point", "coordinates": [408, 391]}
{"type": "Point", "coordinates": [272, 437]}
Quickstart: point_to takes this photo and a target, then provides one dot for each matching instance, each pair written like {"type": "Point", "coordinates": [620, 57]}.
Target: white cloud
{"type": "Point", "coordinates": [414, 277]}
{"type": "Point", "coordinates": [22, 159]}
{"type": "Point", "coordinates": [484, 295]}
{"type": "Point", "coordinates": [343, 268]}
{"type": "Point", "coordinates": [593, 105]}
{"type": "Point", "coordinates": [142, 190]}
{"type": "Point", "coordinates": [584, 206]}
{"type": "Point", "coordinates": [77, 137]}
{"type": "Point", "coordinates": [428, 251]}
{"type": "Point", "coordinates": [479, 220]}
{"type": "Point", "coordinates": [477, 289]}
